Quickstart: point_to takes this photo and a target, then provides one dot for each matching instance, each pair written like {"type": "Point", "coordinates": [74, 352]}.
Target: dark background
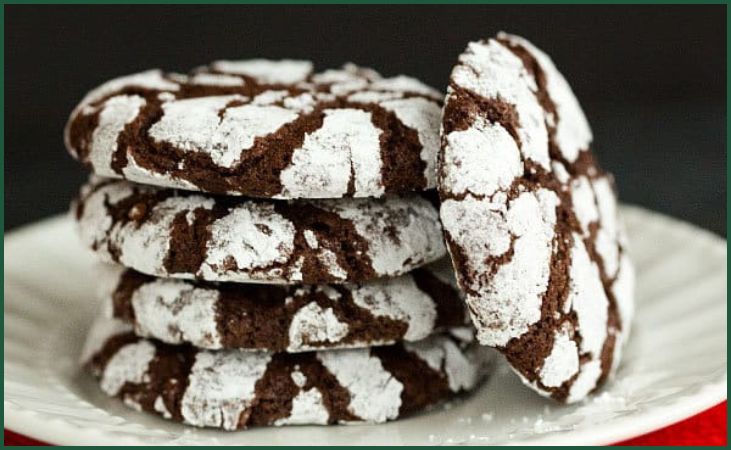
{"type": "Point", "coordinates": [652, 79]}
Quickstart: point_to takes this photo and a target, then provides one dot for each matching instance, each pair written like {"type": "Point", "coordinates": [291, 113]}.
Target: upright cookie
{"type": "Point", "coordinates": [231, 389]}
{"type": "Point", "coordinates": [263, 129]}
{"type": "Point", "coordinates": [531, 220]}
{"type": "Point", "coordinates": [285, 318]}
{"type": "Point", "coordinates": [169, 233]}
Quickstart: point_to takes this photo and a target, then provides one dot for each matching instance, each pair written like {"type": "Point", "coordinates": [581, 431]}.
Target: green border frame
{"type": "Point", "coordinates": [326, 2]}
{"type": "Point", "coordinates": [364, 2]}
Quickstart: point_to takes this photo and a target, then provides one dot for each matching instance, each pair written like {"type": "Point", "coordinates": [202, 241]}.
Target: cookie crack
{"type": "Point", "coordinates": [258, 168]}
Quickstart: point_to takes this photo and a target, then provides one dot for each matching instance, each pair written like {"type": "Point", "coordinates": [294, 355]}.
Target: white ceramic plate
{"type": "Point", "coordinates": [674, 367]}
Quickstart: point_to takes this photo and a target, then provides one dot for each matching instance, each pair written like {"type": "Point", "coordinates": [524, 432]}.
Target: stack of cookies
{"type": "Point", "coordinates": [269, 258]}
{"type": "Point", "coordinates": [278, 263]}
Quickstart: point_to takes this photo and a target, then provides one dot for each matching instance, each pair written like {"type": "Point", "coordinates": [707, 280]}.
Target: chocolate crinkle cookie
{"type": "Point", "coordinates": [285, 318]}
{"type": "Point", "coordinates": [179, 234]}
{"type": "Point", "coordinates": [261, 128]}
{"type": "Point", "coordinates": [531, 220]}
{"type": "Point", "coordinates": [231, 389]}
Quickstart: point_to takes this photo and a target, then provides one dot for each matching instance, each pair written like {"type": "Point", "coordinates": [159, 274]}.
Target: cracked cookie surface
{"type": "Point", "coordinates": [260, 128]}
{"type": "Point", "coordinates": [285, 318]}
{"type": "Point", "coordinates": [531, 220]}
{"type": "Point", "coordinates": [179, 234]}
{"type": "Point", "coordinates": [231, 389]}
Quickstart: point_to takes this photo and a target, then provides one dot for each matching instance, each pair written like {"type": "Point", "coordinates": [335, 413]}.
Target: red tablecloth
{"type": "Point", "coordinates": [707, 428]}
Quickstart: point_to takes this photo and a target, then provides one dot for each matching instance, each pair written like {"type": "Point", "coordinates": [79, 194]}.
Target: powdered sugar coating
{"type": "Point", "coordinates": [262, 128]}
{"type": "Point", "coordinates": [151, 79]}
{"type": "Point", "coordinates": [175, 313]}
{"type": "Point", "coordinates": [329, 259]}
{"type": "Point", "coordinates": [375, 395]}
{"type": "Point", "coordinates": [582, 197]}
{"type": "Point", "coordinates": [355, 80]}
{"type": "Point", "coordinates": [401, 300]}
{"type": "Point", "coordinates": [403, 83]}
{"type": "Point", "coordinates": [562, 363]}
{"type": "Point", "coordinates": [459, 366]}
{"type": "Point", "coordinates": [490, 70]}
{"type": "Point", "coordinates": [423, 116]}
{"type": "Point", "coordinates": [510, 301]}
{"type": "Point", "coordinates": [480, 160]}
{"type": "Point", "coordinates": [609, 233]}
{"type": "Point", "coordinates": [212, 79]}
{"type": "Point", "coordinates": [478, 226]}
{"type": "Point", "coordinates": [325, 256]}
{"type": "Point", "coordinates": [251, 240]}
{"type": "Point", "coordinates": [206, 125]}
{"type": "Point", "coordinates": [179, 311]}
{"type": "Point", "coordinates": [286, 71]}
{"type": "Point", "coordinates": [221, 387]}
{"type": "Point", "coordinates": [232, 390]}
{"type": "Point", "coordinates": [411, 225]}
{"type": "Point", "coordinates": [307, 409]}
{"type": "Point", "coordinates": [623, 290]}
{"type": "Point", "coordinates": [114, 116]}
{"type": "Point", "coordinates": [313, 325]}
{"type": "Point", "coordinates": [145, 248]}
{"type": "Point", "coordinates": [318, 168]}
{"type": "Point", "coordinates": [161, 408]}
{"type": "Point", "coordinates": [253, 235]}
{"type": "Point", "coordinates": [586, 381]}
{"type": "Point", "coordinates": [460, 369]}
{"type": "Point", "coordinates": [573, 133]}
{"type": "Point", "coordinates": [531, 220]}
{"type": "Point", "coordinates": [588, 300]}
{"type": "Point", "coordinates": [137, 173]}
{"type": "Point", "coordinates": [128, 365]}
